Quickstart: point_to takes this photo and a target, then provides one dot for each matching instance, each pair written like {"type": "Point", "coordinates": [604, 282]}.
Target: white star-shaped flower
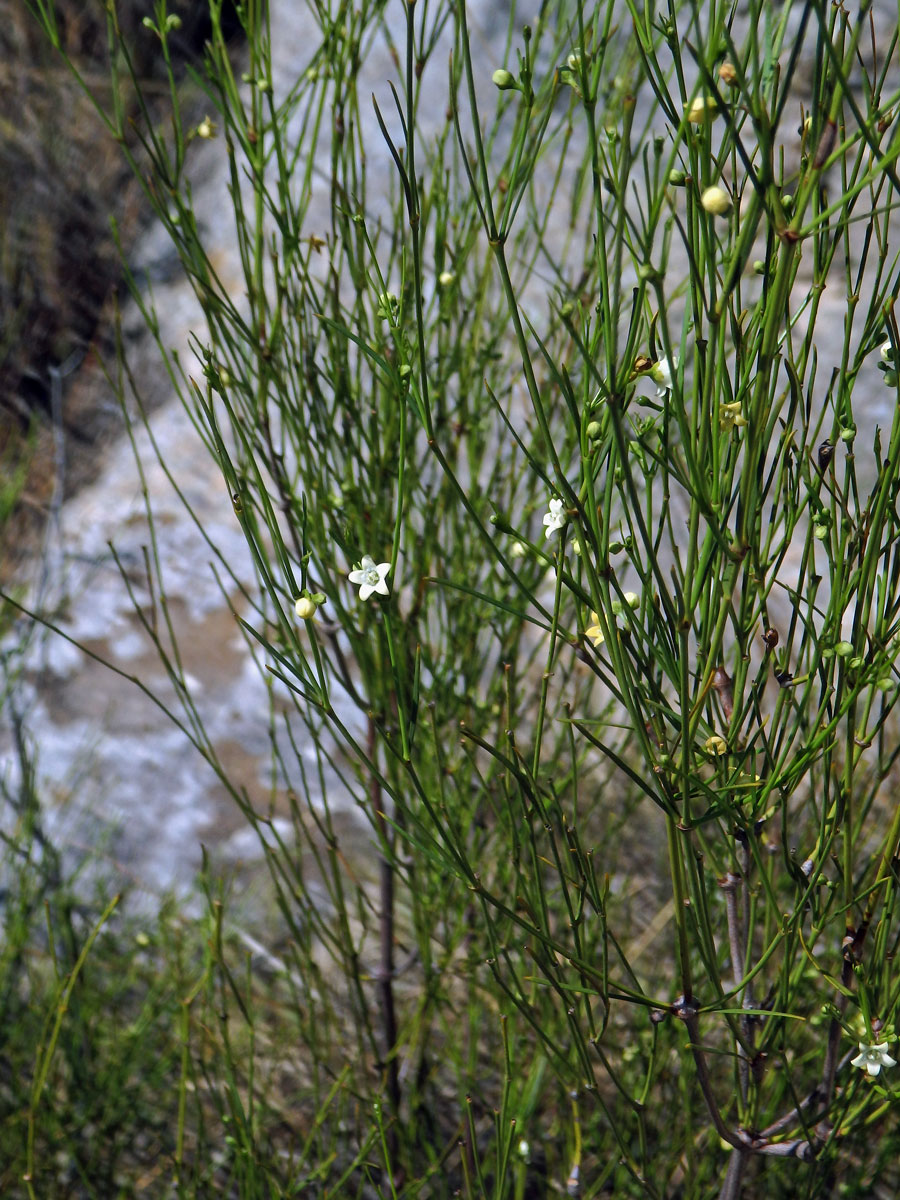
{"type": "Point", "coordinates": [661, 374]}
{"type": "Point", "coordinates": [370, 577]}
{"type": "Point", "coordinates": [555, 518]}
{"type": "Point", "coordinates": [873, 1058]}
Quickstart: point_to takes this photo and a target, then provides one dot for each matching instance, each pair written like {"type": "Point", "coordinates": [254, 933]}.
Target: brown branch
{"type": "Point", "coordinates": [385, 974]}
{"type": "Point", "coordinates": [688, 1014]}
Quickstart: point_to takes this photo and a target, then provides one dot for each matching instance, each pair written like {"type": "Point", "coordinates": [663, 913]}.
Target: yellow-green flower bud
{"type": "Point", "coordinates": [701, 109]}
{"type": "Point", "coordinates": [716, 200]}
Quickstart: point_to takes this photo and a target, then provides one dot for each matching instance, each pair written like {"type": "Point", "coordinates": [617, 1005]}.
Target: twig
{"type": "Point", "coordinates": [688, 1014]}
{"type": "Point", "coordinates": [385, 974]}
{"type": "Point", "coordinates": [734, 1176]}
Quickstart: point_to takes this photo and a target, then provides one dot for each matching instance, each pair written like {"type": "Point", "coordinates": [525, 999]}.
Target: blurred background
{"type": "Point", "coordinates": [62, 181]}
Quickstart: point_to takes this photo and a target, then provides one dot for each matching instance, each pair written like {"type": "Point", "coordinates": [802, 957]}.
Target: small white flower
{"type": "Point", "coordinates": [555, 518]}
{"type": "Point", "coordinates": [887, 352]}
{"type": "Point", "coordinates": [620, 609]}
{"type": "Point", "coordinates": [370, 577]}
{"type": "Point", "coordinates": [661, 374]}
{"type": "Point", "coordinates": [305, 608]}
{"type": "Point", "coordinates": [873, 1058]}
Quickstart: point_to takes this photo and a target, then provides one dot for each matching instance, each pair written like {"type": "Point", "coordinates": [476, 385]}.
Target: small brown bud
{"type": "Point", "coordinates": [721, 682]}
{"type": "Point", "coordinates": [826, 144]}
{"type": "Point", "coordinates": [758, 1066]}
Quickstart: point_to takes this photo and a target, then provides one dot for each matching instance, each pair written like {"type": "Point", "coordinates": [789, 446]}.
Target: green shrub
{"type": "Point", "coordinates": [565, 403]}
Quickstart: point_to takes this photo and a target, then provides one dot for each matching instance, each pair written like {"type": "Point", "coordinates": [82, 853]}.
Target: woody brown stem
{"type": "Point", "coordinates": [385, 976]}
